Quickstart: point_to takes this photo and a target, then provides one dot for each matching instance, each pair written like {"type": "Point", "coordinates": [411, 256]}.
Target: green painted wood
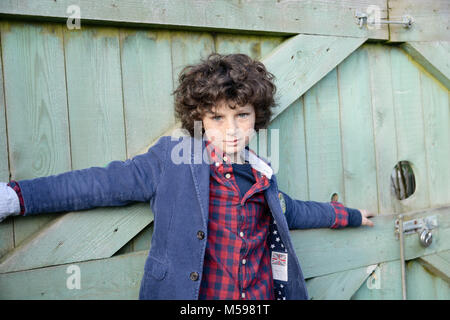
{"type": "Point", "coordinates": [189, 48]}
{"type": "Point", "coordinates": [436, 118]}
{"type": "Point", "coordinates": [6, 227]}
{"type": "Point", "coordinates": [384, 129]}
{"type": "Point", "coordinates": [36, 106]}
{"type": "Point", "coordinates": [434, 56]}
{"type": "Point", "coordinates": [438, 264]}
{"type": "Point", "coordinates": [147, 86]}
{"type": "Point", "coordinates": [315, 248]}
{"type": "Point", "coordinates": [358, 149]}
{"type": "Point", "coordinates": [112, 278]}
{"type": "Point", "coordinates": [270, 17]}
{"type": "Point", "coordinates": [423, 285]}
{"type": "Point", "coordinates": [301, 61]}
{"type": "Point", "coordinates": [383, 284]}
{"type": "Point", "coordinates": [339, 285]}
{"type": "Point", "coordinates": [79, 236]}
{"type": "Point", "coordinates": [292, 174]}
{"type": "Point", "coordinates": [323, 140]}
{"type": "Point", "coordinates": [408, 112]}
{"type": "Point", "coordinates": [94, 96]}
{"type": "Point", "coordinates": [431, 20]}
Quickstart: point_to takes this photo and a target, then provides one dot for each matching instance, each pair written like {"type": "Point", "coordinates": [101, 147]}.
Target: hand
{"type": "Point", "coordinates": [365, 215]}
{"type": "Point", "coordinates": [9, 202]}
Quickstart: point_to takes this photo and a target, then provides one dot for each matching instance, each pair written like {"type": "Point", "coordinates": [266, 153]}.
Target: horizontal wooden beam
{"type": "Point", "coordinates": [268, 16]}
{"type": "Point", "coordinates": [339, 285]}
{"type": "Point", "coordinates": [113, 278]}
{"type": "Point", "coordinates": [434, 56]}
{"type": "Point", "coordinates": [326, 251]}
{"type": "Point", "coordinates": [303, 60]}
{"type": "Point", "coordinates": [431, 20]}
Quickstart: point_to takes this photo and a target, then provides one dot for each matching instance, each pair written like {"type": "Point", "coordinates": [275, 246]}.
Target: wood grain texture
{"type": "Point", "coordinates": [408, 113]}
{"type": "Point", "coordinates": [315, 248]}
{"type": "Point", "coordinates": [434, 56]}
{"type": "Point", "coordinates": [79, 236]}
{"type": "Point", "coordinates": [6, 227]}
{"type": "Point", "coordinates": [339, 285]}
{"type": "Point", "coordinates": [111, 278]}
{"type": "Point", "coordinates": [303, 60]}
{"type": "Point", "coordinates": [431, 20]}
{"type": "Point", "coordinates": [358, 146]}
{"type": "Point", "coordinates": [36, 107]}
{"type": "Point", "coordinates": [269, 17]}
{"type": "Point", "coordinates": [323, 140]}
{"type": "Point", "coordinates": [384, 128]}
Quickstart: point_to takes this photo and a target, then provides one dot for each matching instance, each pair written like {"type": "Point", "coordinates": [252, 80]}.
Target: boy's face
{"type": "Point", "coordinates": [230, 129]}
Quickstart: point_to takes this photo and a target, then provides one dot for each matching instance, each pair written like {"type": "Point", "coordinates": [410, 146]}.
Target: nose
{"type": "Point", "coordinates": [231, 128]}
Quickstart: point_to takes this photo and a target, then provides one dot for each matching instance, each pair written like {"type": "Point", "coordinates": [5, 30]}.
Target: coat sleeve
{"type": "Point", "coordinates": [117, 184]}
{"type": "Point", "coordinates": [313, 214]}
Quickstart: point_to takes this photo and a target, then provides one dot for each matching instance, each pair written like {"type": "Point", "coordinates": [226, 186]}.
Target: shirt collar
{"type": "Point", "coordinates": [216, 155]}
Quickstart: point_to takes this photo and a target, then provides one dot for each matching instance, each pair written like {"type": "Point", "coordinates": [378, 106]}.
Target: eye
{"type": "Point", "coordinates": [216, 118]}
{"type": "Point", "coordinates": [243, 115]}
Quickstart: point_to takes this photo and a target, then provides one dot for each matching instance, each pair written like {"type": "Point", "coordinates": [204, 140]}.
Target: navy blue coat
{"type": "Point", "coordinates": [178, 195]}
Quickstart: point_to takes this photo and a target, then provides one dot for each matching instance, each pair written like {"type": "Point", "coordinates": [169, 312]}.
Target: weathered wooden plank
{"type": "Point", "coordinates": [323, 140]}
{"type": "Point", "coordinates": [434, 56]}
{"type": "Point", "coordinates": [301, 61]}
{"type": "Point", "coordinates": [437, 264]}
{"type": "Point", "coordinates": [269, 16]}
{"type": "Point", "coordinates": [292, 174]}
{"type": "Point", "coordinates": [431, 20]}
{"type": "Point", "coordinates": [436, 118]}
{"type": "Point", "coordinates": [408, 112]}
{"type": "Point", "coordinates": [79, 236]}
{"type": "Point", "coordinates": [112, 278]}
{"type": "Point", "coordinates": [358, 146]}
{"type": "Point", "coordinates": [6, 228]}
{"type": "Point", "coordinates": [97, 132]}
{"type": "Point", "coordinates": [147, 86]}
{"type": "Point", "coordinates": [379, 65]}
{"type": "Point", "coordinates": [383, 284]}
{"type": "Point", "coordinates": [423, 285]}
{"type": "Point", "coordinates": [36, 106]}
{"type": "Point", "coordinates": [338, 286]}
{"type": "Point", "coordinates": [316, 248]}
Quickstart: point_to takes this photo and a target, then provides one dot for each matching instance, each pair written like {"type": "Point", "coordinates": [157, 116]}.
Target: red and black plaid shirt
{"type": "Point", "coordinates": [237, 257]}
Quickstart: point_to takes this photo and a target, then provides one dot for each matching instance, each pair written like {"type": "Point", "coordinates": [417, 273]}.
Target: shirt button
{"type": "Point", "coordinates": [243, 295]}
{"type": "Point", "coordinates": [200, 235]}
{"type": "Point", "coordinates": [225, 159]}
{"type": "Point", "coordinates": [241, 234]}
{"type": "Point", "coordinates": [217, 164]}
{"type": "Point", "coordinates": [193, 276]}
{"type": "Point", "coordinates": [227, 175]}
{"type": "Point", "coordinates": [244, 261]}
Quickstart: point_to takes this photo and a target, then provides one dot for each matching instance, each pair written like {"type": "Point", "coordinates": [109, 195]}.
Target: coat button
{"type": "Point", "coordinates": [200, 235]}
{"type": "Point", "coordinates": [193, 276]}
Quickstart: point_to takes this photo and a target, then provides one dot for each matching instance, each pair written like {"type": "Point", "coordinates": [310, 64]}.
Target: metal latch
{"type": "Point", "coordinates": [422, 226]}
{"type": "Point", "coordinates": [363, 18]}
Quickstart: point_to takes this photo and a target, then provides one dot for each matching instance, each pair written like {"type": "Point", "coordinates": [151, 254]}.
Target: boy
{"type": "Point", "coordinates": [221, 228]}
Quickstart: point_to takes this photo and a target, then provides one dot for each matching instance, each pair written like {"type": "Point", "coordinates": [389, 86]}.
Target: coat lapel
{"type": "Point", "coordinates": [200, 174]}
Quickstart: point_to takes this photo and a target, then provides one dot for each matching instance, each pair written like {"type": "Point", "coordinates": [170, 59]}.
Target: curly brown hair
{"type": "Point", "coordinates": [234, 78]}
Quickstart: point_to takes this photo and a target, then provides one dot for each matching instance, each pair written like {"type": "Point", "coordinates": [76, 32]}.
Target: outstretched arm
{"type": "Point", "coordinates": [117, 184]}
{"type": "Point", "coordinates": [313, 214]}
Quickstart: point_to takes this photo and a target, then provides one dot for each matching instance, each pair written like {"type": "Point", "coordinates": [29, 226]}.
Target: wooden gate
{"type": "Point", "coordinates": [352, 103]}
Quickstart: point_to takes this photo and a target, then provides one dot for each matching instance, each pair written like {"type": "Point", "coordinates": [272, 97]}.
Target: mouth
{"type": "Point", "coordinates": [232, 142]}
